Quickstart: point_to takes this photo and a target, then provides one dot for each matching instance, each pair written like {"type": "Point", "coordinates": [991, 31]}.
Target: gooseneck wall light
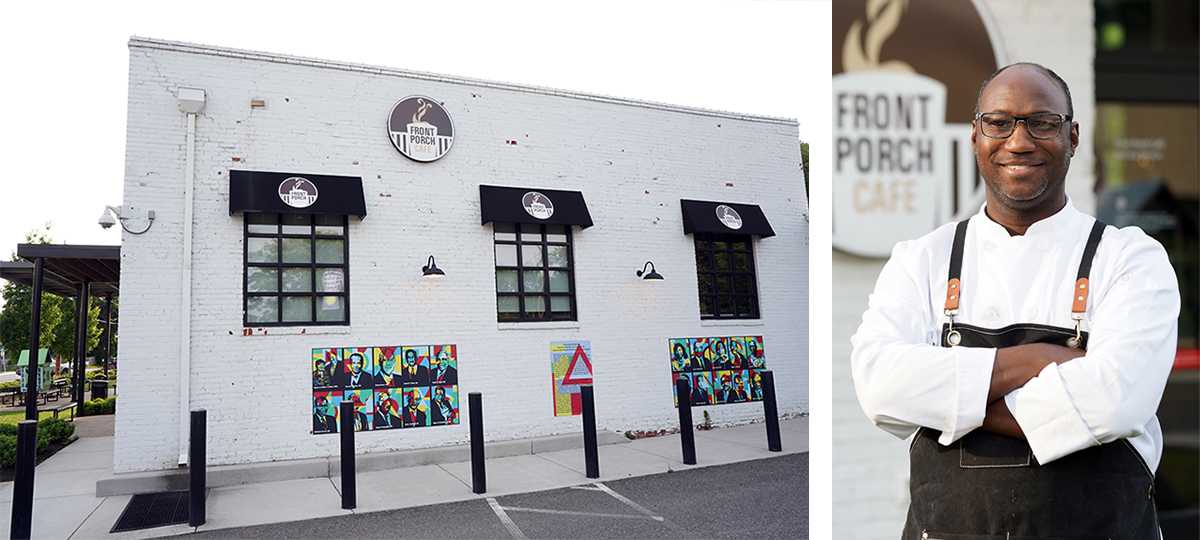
{"type": "Point", "coordinates": [431, 270]}
{"type": "Point", "coordinates": [651, 275]}
{"type": "Point", "coordinates": [124, 213]}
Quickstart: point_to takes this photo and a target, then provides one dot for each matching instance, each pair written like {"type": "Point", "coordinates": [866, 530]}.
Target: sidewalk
{"type": "Point", "coordinates": [66, 505]}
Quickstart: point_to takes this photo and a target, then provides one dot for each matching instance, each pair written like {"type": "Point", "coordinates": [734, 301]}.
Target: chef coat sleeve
{"type": "Point", "coordinates": [904, 380]}
{"type": "Point", "coordinates": [1113, 391]}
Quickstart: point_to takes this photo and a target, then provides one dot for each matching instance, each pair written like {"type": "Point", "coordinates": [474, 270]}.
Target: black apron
{"type": "Point", "coordinates": [986, 486]}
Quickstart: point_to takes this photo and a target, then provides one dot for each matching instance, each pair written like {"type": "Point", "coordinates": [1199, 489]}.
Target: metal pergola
{"type": "Point", "coordinates": [68, 271]}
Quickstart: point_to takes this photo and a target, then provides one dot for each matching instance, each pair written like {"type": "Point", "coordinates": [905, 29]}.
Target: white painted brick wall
{"type": "Point", "coordinates": [632, 161]}
{"type": "Point", "coordinates": [870, 469]}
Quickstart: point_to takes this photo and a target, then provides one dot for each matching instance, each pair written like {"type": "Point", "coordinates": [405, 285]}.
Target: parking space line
{"type": "Point", "coordinates": [508, 523]}
{"type": "Point", "coordinates": [636, 506]}
{"type": "Point", "coordinates": [572, 513]}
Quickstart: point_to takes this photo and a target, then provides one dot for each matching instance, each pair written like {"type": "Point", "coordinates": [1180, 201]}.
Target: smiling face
{"type": "Point", "coordinates": [1025, 176]}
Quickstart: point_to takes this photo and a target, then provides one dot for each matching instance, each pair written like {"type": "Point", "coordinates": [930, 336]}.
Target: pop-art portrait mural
{"type": "Point", "coordinates": [391, 387]}
{"type": "Point", "coordinates": [443, 408]}
{"type": "Point", "coordinates": [363, 401]}
{"type": "Point", "coordinates": [325, 363]}
{"type": "Point", "coordinates": [387, 408]}
{"type": "Point", "coordinates": [414, 371]}
{"type": "Point", "coordinates": [570, 368]}
{"type": "Point", "coordinates": [325, 407]}
{"type": "Point", "coordinates": [443, 365]}
{"type": "Point", "coordinates": [386, 363]}
{"type": "Point", "coordinates": [719, 370]}
{"type": "Point", "coordinates": [416, 407]}
{"type": "Point", "coordinates": [357, 368]}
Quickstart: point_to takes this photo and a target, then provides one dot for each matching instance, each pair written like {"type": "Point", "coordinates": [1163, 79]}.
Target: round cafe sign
{"type": "Point", "coordinates": [537, 205]}
{"type": "Point", "coordinates": [729, 217]}
{"type": "Point", "coordinates": [420, 128]}
{"type": "Point", "coordinates": [298, 192]}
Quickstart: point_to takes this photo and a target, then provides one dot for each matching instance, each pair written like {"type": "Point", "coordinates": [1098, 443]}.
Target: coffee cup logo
{"type": "Point", "coordinates": [729, 217]}
{"type": "Point", "coordinates": [420, 128]}
{"type": "Point", "coordinates": [537, 205]}
{"type": "Point", "coordinates": [298, 192]}
{"type": "Point", "coordinates": [903, 91]}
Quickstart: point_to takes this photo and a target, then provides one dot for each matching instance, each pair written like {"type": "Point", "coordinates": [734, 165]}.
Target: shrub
{"type": "Point", "coordinates": [8, 450]}
{"type": "Point", "coordinates": [57, 430]}
{"type": "Point", "coordinates": [8, 429]}
{"type": "Point", "coordinates": [100, 406]}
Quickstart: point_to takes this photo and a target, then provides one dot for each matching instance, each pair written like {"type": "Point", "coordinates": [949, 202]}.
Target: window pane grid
{"type": "Point", "coordinates": [534, 277]}
{"type": "Point", "coordinates": [295, 270]}
{"type": "Point", "coordinates": [725, 276]}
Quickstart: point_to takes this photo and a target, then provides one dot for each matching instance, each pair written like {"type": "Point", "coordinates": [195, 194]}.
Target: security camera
{"type": "Point", "coordinates": [107, 220]}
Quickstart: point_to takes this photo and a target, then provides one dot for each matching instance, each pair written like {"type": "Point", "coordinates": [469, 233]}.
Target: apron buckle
{"type": "Point", "coordinates": [952, 337]}
{"type": "Point", "coordinates": [1078, 339]}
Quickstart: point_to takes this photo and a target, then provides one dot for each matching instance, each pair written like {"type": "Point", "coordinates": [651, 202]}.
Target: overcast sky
{"type": "Point", "coordinates": [65, 67]}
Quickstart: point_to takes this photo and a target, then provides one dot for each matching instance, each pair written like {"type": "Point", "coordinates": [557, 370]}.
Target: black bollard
{"type": "Point", "coordinates": [21, 522]}
{"type": "Point", "coordinates": [686, 437]}
{"type": "Point", "coordinates": [478, 474]}
{"type": "Point", "coordinates": [590, 454]}
{"type": "Point", "coordinates": [197, 446]}
{"type": "Point", "coordinates": [771, 411]}
{"type": "Point", "coordinates": [349, 489]}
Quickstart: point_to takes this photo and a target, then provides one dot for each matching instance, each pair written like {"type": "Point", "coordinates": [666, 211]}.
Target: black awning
{"type": "Point", "coordinates": [254, 191]}
{"type": "Point", "coordinates": [533, 205]}
{"type": "Point", "coordinates": [719, 217]}
{"type": "Point", "coordinates": [64, 267]}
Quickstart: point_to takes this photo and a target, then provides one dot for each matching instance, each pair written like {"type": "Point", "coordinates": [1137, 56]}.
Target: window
{"type": "Point", "coordinates": [725, 272]}
{"type": "Point", "coordinates": [296, 270]}
{"type": "Point", "coordinates": [534, 277]}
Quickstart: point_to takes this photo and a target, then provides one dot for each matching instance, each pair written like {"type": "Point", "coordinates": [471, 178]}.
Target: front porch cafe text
{"type": "Point", "coordinates": [885, 138]}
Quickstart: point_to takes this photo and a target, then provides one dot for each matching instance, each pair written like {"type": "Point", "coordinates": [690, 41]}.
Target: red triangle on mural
{"type": "Point", "coordinates": [579, 373]}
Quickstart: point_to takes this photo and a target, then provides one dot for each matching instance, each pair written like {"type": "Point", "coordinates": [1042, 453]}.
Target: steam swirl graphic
{"type": "Point", "coordinates": [859, 53]}
{"type": "Point", "coordinates": [422, 108]}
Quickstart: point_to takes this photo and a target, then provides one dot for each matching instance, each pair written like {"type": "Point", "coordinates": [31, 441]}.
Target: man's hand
{"type": "Point", "coordinates": [1015, 366]}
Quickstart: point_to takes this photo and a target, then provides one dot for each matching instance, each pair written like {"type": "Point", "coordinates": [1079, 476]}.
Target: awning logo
{"type": "Point", "coordinates": [420, 128]}
{"type": "Point", "coordinates": [298, 192]}
{"type": "Point", "coordinates": [729, 217]}
{"type": "Point", "coordinates": [537, 205]}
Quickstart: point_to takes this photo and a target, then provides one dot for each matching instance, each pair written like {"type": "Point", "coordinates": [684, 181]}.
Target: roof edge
{"type": "Point", "coordinates": [194, 48]}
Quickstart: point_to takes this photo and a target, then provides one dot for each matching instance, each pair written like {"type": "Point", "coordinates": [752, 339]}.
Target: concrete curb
{"type": "Point", "coordinates": [232, 475]}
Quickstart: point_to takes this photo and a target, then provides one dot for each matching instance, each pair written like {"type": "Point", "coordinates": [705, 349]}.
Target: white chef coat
{"type": "Point", "coordinates": [905, 379]}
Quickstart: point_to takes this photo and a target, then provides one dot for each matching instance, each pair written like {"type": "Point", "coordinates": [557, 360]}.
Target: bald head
{"type": "Point", "coordinates": [1030, 65]}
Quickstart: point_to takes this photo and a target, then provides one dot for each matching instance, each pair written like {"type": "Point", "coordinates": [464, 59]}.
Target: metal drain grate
{"type": "Point", "coordinates": [149, 510]}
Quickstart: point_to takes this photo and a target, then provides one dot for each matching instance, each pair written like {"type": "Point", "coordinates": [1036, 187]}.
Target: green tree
{"type": "Point", "coordinates": [804, 165]}
{"type": "Point", "coordinates": [57, 319]}
{"type": "Point", "coordinates": [102, 304]}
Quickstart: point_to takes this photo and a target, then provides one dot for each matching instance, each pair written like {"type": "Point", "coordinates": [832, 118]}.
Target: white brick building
{"type": "Point", "coordinates": [633, 162]}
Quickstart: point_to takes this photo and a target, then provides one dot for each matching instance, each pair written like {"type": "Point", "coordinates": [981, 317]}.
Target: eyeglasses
{"type": "Point", "coordinates": [999, 125]}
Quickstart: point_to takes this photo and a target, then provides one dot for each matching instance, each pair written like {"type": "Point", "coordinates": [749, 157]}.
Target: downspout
{"type": "Point", "coordinates": [191, 101]}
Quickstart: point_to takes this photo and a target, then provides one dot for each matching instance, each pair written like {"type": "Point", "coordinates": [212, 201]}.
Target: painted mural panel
{"type": "Point", "coordinates": [719, 370]}
{"type": "Point", "coordinates": [394, 387]}
{"type": "Point", "coordinates": [570, 368]}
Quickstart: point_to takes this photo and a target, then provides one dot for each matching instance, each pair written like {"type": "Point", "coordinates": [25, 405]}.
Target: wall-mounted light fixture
{"type": "Point", "coordinates": [124, 213]}
{"type": "Point", "coordinates": [431, 270]}
{"type": "Point", "coordinates": [651, 275]}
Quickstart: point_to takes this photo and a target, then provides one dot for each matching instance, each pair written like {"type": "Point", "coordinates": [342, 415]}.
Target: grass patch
{"type": "Point", "coordinates": [14, 417]}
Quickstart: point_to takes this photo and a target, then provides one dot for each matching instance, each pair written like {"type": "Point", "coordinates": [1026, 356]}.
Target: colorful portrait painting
{"type": "Point", "coordinates": [443, 365]}
{"type": "Point", "coordinates": [385, 393]}
{"type": "Point", "coordinates": [723, 369]}
{"type": "Point", "coordinates": [325, 412]}
{"type": "Point", "coordinates": [414, 366]}
{"type": "Point", "coordinates": [364, 409]}
{"type": "Point", "coordinates": [443, 407]}
{"type": "Point", "coordinates": [416, 407]}
{"type": "Point", "coordinates": [386, 362]}
{"type": "Point", "coordinates": [358, 368]}
{"type": "Point", "coordinates": [681, 355]}
{"type": "Point", "coordinates": [388, 408]}
{"type": "Point", "coordinates": [324, 363]}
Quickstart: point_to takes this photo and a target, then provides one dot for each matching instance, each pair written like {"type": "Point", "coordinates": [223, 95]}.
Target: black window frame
{"type": "Point", "coordinates": [518, 241]}
{"type": "Point", "coordinates": [710, 297]}
{"type": "Point", "coordinates": [279, 265]}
